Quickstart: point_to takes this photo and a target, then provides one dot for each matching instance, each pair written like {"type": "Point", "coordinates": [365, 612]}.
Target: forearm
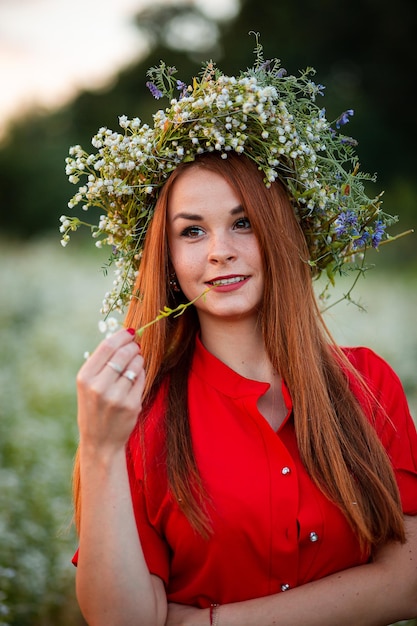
{"type": "Point", "coordinates": [113, 583]}
{"type": "Point", "coordinates": [344, 601]}
{"type": "Point", "coordinates": [375, 594]}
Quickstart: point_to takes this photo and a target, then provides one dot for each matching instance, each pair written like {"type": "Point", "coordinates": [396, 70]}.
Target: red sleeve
{"type": "Point", "coordinates": [392, 421]}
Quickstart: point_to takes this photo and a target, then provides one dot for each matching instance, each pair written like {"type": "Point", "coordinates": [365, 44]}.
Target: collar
{"type": "Point", "coordinates": [220, 376]}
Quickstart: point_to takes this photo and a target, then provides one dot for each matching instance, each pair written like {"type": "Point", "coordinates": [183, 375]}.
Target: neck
{"type": "Point", "coordinates": [240, 345]}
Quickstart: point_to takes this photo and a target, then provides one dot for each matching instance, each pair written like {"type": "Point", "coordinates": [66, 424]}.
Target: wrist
{"type": "Point", "coordinates": [100, 458]}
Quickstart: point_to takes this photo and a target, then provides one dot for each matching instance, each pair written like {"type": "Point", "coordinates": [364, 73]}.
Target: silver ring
{"type": "Point", "coordinates": [115, 367]}
{"type": "Point", "coordinates": [130, 375]}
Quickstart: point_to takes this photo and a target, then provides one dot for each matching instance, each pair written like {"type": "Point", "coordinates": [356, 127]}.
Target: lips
{"type": "Point", "coordinates": [231, 280]}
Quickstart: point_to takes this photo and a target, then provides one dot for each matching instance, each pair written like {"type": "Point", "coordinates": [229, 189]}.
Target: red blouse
{"type": "Point", "coordinates": [273, 529]}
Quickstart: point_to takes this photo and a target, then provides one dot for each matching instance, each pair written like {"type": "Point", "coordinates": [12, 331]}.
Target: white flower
{"type": "Point", "coordinates": [112, 324]}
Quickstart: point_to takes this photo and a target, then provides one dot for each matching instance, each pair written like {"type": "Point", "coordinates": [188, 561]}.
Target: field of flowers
{"type": "Point", "coordinates": [50, 300]}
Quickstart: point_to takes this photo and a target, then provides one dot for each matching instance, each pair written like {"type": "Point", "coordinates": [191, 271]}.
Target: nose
{"type": "Point", "coordinates": [221, 249]}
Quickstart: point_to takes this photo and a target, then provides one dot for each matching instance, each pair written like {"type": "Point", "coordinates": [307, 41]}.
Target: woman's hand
{"type": "Point", "coordinates": [110, 387]}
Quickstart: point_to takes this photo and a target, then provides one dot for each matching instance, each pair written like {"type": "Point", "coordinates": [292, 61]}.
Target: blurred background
{"type": "Point", "coordinates": [70, 67]}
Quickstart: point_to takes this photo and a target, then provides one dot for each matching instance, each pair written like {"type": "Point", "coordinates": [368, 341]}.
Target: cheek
{"type": "Point", "coordinates": [186, 257]}
{"type": "Point", "coordinates": [175, 254]}
{"type": "Point", "coordinates": [255, 256]}
{"type": "Point", "coordinates": [184, 264]}
{"type": "Point", "coordinates": [177, 260]}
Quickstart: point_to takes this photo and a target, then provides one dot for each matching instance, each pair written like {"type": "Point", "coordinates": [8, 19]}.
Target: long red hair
{"type": "Point", "coordinates": [337, 443]}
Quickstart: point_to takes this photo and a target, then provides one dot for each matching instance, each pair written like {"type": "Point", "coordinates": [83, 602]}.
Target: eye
{"type": "Point", "coordinates": [192, 232]}
{"type": "Point", "coordinates": [242, 223]}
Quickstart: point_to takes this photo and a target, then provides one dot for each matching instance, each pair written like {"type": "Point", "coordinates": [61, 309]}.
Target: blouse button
{"type": "Point", "coordinates": [285, 470]}
{"type": "Point", "coordinates": [313, 537]}
{"type": "Point", "coordinates": [285, 587]}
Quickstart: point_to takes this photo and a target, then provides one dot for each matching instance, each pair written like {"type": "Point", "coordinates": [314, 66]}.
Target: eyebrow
{"type": "Point", "coordinates": [195, 217]}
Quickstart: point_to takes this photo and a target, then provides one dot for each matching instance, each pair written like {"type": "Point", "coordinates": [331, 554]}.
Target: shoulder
{"type": "Point", "coordinates": [373, 368]}
{"type": "Point", "coordinates": [379, 390]}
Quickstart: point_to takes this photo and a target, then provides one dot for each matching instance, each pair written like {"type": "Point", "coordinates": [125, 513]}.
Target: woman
{"type": "Point", "coordinates": [265, 458]}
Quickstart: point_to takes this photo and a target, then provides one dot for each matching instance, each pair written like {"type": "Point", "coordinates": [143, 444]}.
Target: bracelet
{"type": "Point", "coordinates": [214, 614]}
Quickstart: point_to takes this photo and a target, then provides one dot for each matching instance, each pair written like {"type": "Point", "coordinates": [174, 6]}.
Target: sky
{"type": "Point", "coordinates": [50, 49]}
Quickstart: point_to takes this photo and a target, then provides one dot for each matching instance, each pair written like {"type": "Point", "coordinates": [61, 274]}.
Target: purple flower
{"type": "Point", "coordinates": [378, 233]}
{"type": "Point", "coordinates": [157, 93]}
{"type": "Point", "coordinates": [265, 66]}
{"type": "Point", "coordinates": [346, 222]}
{"type": "Point", "coordinates": [344, 118]}
{"type": "Point", "coordinates": [182, 87]}
{"type": "Point", "coordinates": [320, 88]}
{"type": "Point", "coordinates": [361, 241]}
{"type": "Point", "coordinates": [349, 141]}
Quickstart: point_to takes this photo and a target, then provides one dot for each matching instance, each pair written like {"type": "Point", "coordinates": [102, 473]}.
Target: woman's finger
{"type": "Point", "coordinates": [113, 353]}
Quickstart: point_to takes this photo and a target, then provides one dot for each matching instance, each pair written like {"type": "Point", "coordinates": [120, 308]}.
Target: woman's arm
{"type": "Point", "coordinates": [375, 594]}
{"type": "Point", "coordinates": [113, 583]}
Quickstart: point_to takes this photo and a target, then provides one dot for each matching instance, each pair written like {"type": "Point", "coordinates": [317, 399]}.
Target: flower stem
{"type": "Point", "coordinates": [166, 312]}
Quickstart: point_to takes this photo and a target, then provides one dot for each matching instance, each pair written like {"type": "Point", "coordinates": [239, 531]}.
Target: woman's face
{"type": "Point", "coordinates": [213, 246]}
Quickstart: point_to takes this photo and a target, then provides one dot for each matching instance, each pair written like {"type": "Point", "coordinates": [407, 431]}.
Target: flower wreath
{"type": "Point", "coordinates": [269, 116]}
